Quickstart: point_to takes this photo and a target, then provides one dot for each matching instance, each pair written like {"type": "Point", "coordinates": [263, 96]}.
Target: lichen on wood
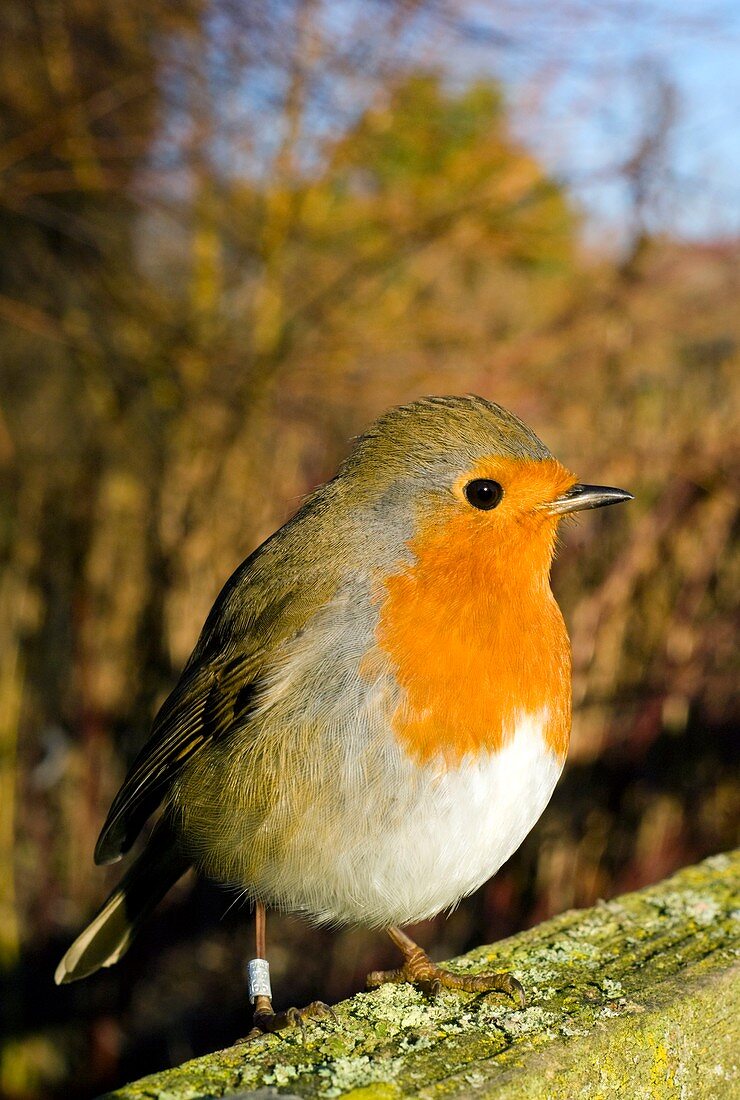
{"type": "Point", "coordinates": [636, 998]}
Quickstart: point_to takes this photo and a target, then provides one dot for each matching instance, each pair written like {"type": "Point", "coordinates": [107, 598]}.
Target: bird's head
{"type": "Point", "coordinates": [468, 478]}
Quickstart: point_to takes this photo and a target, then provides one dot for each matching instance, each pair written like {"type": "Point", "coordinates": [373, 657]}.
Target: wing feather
{"type": "Point", "coordinates": [199, 709]}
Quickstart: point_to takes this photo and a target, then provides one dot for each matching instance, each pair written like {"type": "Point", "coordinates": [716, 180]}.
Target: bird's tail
{"type": "Point", "coordinates": [110, 933]}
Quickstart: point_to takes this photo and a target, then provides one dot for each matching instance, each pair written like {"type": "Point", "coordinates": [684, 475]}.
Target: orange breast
{"type": "Point", "coordinates": [476, 639]}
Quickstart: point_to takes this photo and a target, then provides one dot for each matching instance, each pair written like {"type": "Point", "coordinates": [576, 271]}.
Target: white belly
{"type": "Point", "coordinates": [395, 859]}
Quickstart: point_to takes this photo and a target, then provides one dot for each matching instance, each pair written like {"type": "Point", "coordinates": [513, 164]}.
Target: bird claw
{"type": "Point", "coordinates": [267, 1022]}
{"type": "Point", "coordinates": [512, 986]}
{"type": "Point", "coordinates": [419, 970]}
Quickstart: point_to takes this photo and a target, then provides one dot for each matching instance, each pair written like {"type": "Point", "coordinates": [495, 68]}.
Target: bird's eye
{"type": "Point", "coordinates": [484, 493]}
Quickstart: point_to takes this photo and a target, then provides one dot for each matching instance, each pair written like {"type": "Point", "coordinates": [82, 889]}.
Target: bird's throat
{"type": "Point", "coordinates": [477, 644]}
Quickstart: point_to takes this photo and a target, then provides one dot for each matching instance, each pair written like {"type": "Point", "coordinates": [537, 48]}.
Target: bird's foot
{"type": "Point", "coordinates": [266, 1021]}
{"type": "Point", "coordinates": [419, 969]}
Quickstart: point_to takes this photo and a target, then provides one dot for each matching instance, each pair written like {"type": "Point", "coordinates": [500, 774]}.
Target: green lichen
{"type": "Point", "coordinates": [638, 997]}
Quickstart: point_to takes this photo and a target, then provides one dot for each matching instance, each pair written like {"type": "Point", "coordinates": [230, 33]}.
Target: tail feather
{"type": "Point", "coordinates": [109, 934]}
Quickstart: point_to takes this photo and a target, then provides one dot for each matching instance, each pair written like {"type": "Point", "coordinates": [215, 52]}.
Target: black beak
{"type": "Point", "coordinates": [580, 497]}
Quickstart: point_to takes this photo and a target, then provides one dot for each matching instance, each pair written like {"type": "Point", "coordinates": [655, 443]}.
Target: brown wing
{"type": "Point", "coordinates": [201, 708]}
{"type": "Point", "coordinates": [267, 599]}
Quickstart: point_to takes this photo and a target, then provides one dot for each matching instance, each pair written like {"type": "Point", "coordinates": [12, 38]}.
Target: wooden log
{"type": "Point", "coordinates": [637, 998]}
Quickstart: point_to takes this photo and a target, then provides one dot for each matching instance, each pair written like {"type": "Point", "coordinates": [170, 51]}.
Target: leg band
{"type": "Point", "coordinates": [258, 979]}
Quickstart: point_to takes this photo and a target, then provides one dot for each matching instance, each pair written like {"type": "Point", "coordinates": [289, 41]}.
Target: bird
{"type": "Point", "coordinates": [378, 707]}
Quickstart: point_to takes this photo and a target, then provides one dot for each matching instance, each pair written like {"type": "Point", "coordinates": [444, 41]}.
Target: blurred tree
{"type": "Point", "coordinates": [78, 101]}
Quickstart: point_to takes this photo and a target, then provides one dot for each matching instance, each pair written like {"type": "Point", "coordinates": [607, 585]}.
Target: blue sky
{"type": "Point", "coordinates": [583, 77]}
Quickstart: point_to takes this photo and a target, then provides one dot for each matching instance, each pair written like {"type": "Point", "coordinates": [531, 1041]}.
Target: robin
{"type": "Point", "coordinates": [377, 709]}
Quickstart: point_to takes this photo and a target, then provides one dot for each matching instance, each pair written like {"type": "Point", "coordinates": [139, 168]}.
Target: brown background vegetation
{"type": "Point", "coordinates": [231, 235]}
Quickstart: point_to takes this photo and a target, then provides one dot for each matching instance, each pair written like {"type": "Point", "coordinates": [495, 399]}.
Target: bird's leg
{"type": "Point", "coordinates": [265, 1018]}
{"type": "Point", "coordinates": [419, 969]}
